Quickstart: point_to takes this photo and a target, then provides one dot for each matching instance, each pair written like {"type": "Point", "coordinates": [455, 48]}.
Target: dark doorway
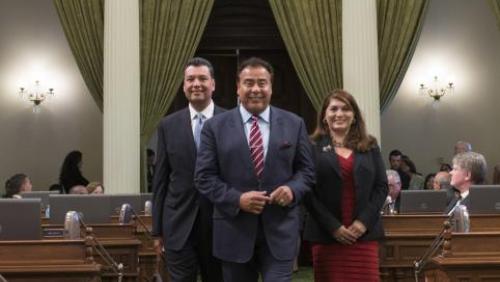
{"type": "Point", "coordinates": [239, 29]}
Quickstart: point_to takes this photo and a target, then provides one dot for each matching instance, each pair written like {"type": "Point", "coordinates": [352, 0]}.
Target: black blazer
{"type": "Point", "coordinates": [176, 202]}
{"type": "Point", "coordinates": [324, 202]}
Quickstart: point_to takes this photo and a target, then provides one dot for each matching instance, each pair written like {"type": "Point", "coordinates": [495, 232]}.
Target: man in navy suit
{"type": "Point", "coordinates": [255, 166]}
{"type": "Point", "coordinates": [180, 214]}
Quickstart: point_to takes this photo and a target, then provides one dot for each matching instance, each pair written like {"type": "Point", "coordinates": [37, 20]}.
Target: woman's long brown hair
{"type": "Point", "coordinates": [358, 138]}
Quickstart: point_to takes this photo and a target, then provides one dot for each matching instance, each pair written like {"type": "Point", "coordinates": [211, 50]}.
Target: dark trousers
{"type": "Point", "coordinates": [263, 262]}
{"type": "Point", "coordinates": [196, 256]}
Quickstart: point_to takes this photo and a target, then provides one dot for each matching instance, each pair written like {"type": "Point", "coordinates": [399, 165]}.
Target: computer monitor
{"type": "Point", "coordinates": [94, 208]}
{"type": "Point", "coordinates": [422, 201]}
{"type": "Point", "coordinates": [43, 195]}
{"type": "Point", "coordinates": [20, 219]}
{"type": "Point", "coordinates": [484, 199]}
{"type": "Point", "coordinates": [118, 200]}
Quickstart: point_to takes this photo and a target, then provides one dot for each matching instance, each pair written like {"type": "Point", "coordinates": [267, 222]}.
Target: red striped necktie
{"type": "Point", "coordinates": [256, 147]}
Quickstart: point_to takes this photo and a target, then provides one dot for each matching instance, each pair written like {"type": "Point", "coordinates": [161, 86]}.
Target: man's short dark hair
{"type": "Point", "coordinates": [255, 62]}
{"type": "Point", "coordinates": [395, 153]}
{"type": "Point", "coordinates": [198, 62]}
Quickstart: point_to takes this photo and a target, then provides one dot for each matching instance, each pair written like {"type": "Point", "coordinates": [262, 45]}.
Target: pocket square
{"type": "Point", "coordinates": [285, 145]}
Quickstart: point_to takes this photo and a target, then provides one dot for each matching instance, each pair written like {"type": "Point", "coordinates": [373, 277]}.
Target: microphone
{"type": "Point", "coordinates": [74, 221]}
{"type": "Point", "coordinates": [148, 208]}
{"type": "Point", "coordinates": [72, 226]}
{"type": "Point", "coordinates": [126, 213]}
{"type": "Point", "coordinates": [458, 221]}
{"type": "Point", "coordinates": [388, 207]}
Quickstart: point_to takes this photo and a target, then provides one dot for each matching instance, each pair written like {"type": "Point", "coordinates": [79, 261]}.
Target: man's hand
{"type": "Point", "coordinates": [282, 196]}
{"type": "Point", "coordinates": [344, 236]}
{"type": "Point", "coordinates": [357, 228]}
{"type": "Point", "coordinates": [254, 201]}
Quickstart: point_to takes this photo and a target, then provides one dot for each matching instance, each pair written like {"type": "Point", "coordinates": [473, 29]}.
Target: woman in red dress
{"type": "Point", "coordinates": [344, 222]}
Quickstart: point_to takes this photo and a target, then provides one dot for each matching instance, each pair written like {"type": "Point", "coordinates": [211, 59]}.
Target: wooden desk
{"type": "Point", "coordinates": [121, 243]}
{"type": "Point", "coordinates": [48, 260]}
{"type": "Point", "coordinates": [473, 256]}
{"type": "Point", "coordinates": [148, 261]}
{"type": "Point", "coordinates": [409, 236]}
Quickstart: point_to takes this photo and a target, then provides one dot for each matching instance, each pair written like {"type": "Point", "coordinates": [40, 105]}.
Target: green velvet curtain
{"type": "Point", "coordinates": [399, 26]}
{"type": "Point", "coordinates": [312, 31]}
{"type": "Point", "coordinates": [495, 5]}
{"type": "Point", "coordinates": [170, 33]}
{"type": "Point", "coordinates": [83, 24]}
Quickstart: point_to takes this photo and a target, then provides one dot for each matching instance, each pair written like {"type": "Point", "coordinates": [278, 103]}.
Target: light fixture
{"type": "Point", "coordinates": [437, 89]}
{"type": "Point", "coordinates": [36, 95]}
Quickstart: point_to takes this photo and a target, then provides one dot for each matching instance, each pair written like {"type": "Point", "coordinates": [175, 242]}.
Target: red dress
{"type": "Point", "coordinates": [346, 263]}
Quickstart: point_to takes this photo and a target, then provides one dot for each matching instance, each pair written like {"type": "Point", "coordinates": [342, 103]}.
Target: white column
{"type": "Point", "coordinates": [360, 58]}
{"type": "Point", "coordinates": [121, 97]}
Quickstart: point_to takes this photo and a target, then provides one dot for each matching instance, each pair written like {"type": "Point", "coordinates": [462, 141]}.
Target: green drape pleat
{"type": "Point", "coordinates": [83, 25]}
{"type": "Point", "coordinates": [170, 33]}
{"type": "Point", "coordinates": [399, 26]}
{"type": "Point", "coordinates": [495, 5]}
{"type": "Point", "coordinates": [312, 32]}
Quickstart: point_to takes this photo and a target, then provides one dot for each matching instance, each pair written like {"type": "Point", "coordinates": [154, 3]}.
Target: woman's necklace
{"type": "Point", "coordinates": [338, 144]}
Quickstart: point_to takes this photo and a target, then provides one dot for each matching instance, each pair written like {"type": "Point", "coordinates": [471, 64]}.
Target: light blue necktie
{"type": "Point", "coordinates": [199, 118]}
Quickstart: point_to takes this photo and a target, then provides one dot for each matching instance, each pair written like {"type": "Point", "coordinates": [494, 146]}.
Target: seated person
{"type": "Point", "coordinates": [56, 187]}
{"type": "Point", "coordinates": [442, 182]}
{"type": "Point", "coordinates": [445, 167]}
{"type": "Point", "coordinates": [409, 168]}
{"type": "Point", "coordinates": [462, 147]}
{"type": "Point", "coordinates": [71, 174]}
{"type": "Point", "coordinates": [496, 175]}
{"type": "Point", "coordinates": [78, 189]}
{"type": "Point", "coordinates": [429, 181]}
{"type": "Point", "coordinates": [95, 188]}
{"type": "Point", "coordinates": [395, 160]}
{"type": "Point", "coordinates": [17, 184]}
{"type": "Point", "coordinates": [394, 184]}
{"type": "Point", "coordinates": [469, 168]}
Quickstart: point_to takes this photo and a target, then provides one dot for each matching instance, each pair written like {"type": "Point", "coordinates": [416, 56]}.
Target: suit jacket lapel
{"type": "Point", "coordinates": [331, 155]}
{"type": "Point", "coordinates": [276, 137]}
{"type": "Point", "coordinates": [358, 160]}
{"type": "Point", "coordinates": [237, 126]}
{"type": "Point", "coordinates": [334, 162]}
{"type": "Point", "coordinates": [187, 133]}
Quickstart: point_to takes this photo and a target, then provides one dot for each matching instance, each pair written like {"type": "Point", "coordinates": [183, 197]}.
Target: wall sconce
{"type": "Point", "coordinates": [436, 90]}
{"type": "Point", "coordinates": [36, 95]}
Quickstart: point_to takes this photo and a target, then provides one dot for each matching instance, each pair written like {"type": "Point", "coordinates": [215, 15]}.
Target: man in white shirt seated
{"type": "Point", "coordinates": [469, 168]}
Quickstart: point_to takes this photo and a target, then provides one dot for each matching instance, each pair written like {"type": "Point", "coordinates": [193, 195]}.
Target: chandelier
{"type": "Point", "coordinates": [436, 90]}
{"type": "Point", "coordinates": [36, 95]}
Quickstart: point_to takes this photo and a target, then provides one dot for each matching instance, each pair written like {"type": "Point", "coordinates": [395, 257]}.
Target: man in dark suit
{"type": "Point", "coordinates": [180, 214]}
{"type": "Point", "coordinates": [255, 165]}
{"type": "Point", "coordinates": [395, 159]}
{"type": "Point", "coordinates": [469, 169]}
